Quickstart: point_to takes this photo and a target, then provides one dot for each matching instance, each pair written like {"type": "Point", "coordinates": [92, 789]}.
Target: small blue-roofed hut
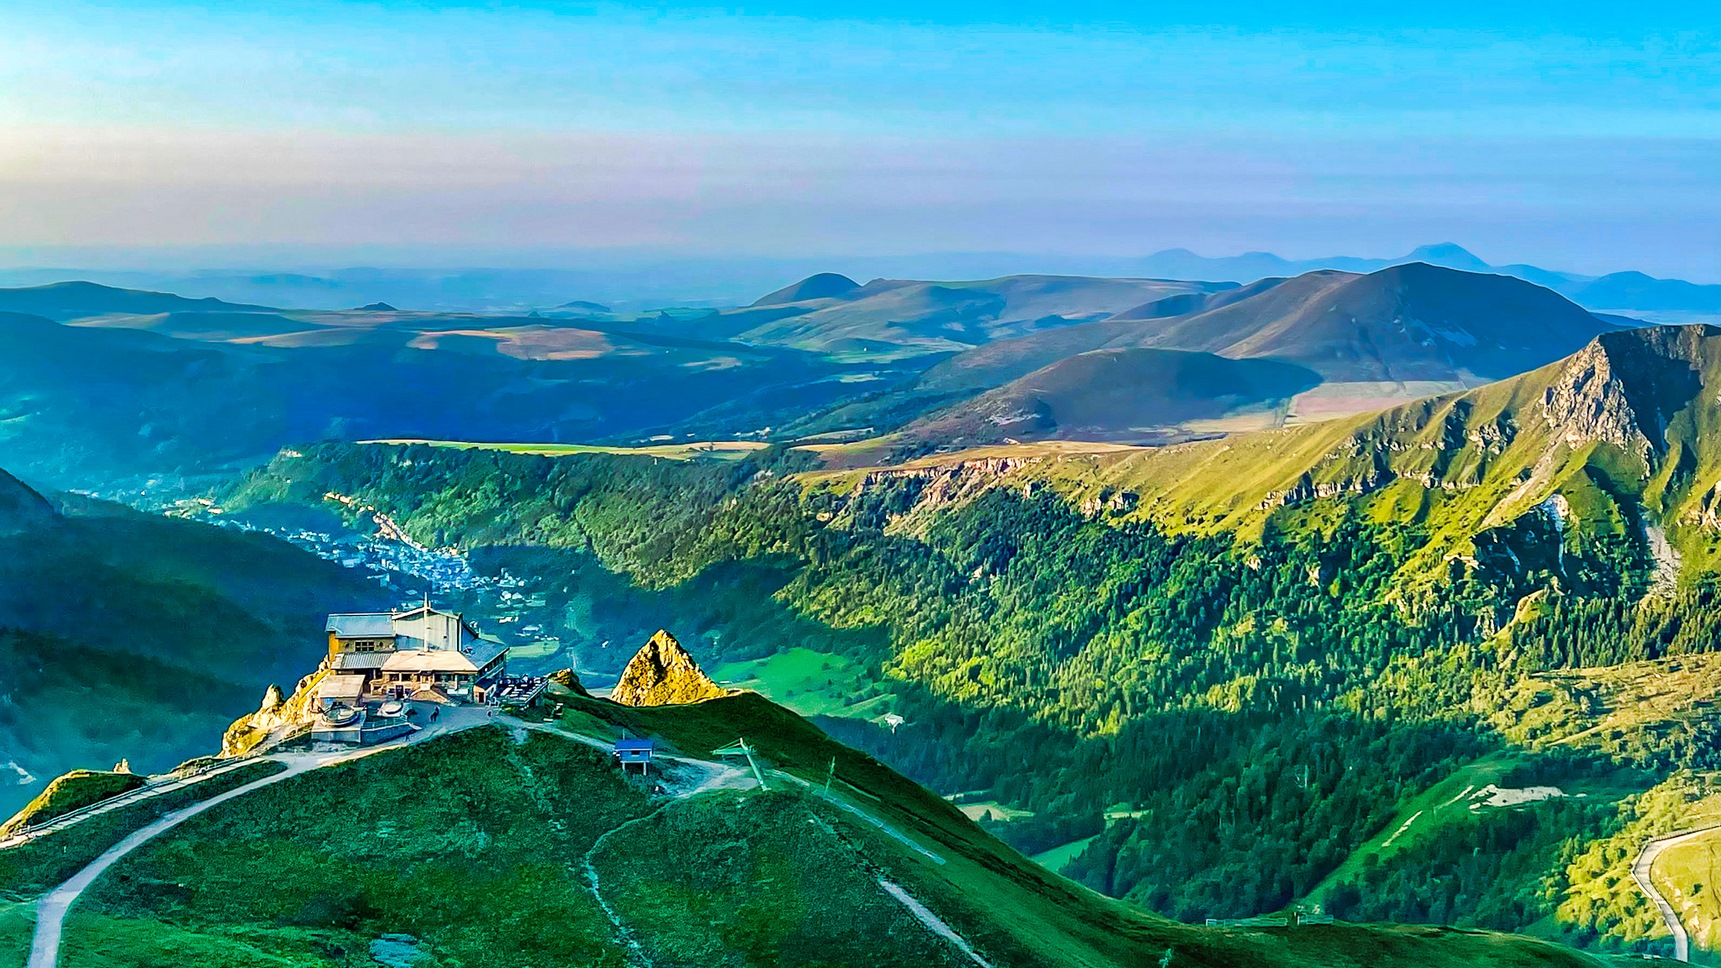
{"type": "Point", "coordinates": [629, 750]}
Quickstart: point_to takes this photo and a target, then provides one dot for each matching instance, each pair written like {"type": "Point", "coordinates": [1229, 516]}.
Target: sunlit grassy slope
{"type": "Point", "coordinates": [493, 870]}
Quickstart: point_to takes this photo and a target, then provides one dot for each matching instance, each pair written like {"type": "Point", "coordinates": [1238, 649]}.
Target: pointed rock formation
{"type": "Point", "coordinates": [663, 674]}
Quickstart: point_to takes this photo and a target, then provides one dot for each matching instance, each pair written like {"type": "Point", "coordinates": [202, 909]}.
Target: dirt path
{"type": "Point", "coordinates": [636, 953]}
{"type": "Point", "coordinates": [933, 922]}
{"type": "Point", "coordinates": [52, 909]}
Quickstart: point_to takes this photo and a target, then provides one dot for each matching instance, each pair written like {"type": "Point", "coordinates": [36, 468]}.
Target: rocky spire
{"type": "Point", "coordinates": [663, 674]}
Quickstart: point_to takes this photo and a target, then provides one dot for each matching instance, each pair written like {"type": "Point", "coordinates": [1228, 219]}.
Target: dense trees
{"type": "Point", "coordinates": [1232, 718]}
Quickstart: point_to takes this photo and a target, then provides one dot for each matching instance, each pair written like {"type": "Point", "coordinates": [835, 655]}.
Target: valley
{"type": "Point", "coordinates": [1211, 671]}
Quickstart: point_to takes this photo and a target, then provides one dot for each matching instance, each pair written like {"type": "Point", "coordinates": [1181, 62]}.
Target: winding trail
{"type": "Point", "coordinates": [1641, 871]}
{"type": "Point", "coordinates": [52, 909]}
{"type": "Point", "coordinates": [635, 950]}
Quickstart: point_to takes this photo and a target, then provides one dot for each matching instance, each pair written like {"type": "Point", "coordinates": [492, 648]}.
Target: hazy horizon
{"type": "Point", "coordinates": [1567, 137]}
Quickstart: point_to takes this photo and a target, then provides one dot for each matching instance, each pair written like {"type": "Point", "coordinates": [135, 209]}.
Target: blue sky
{"type": "Point", "coordinates": [1575, 135]}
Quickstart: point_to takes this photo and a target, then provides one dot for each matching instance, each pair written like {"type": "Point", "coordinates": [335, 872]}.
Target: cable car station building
{"type": "Point", "coordinates": [423, 653]}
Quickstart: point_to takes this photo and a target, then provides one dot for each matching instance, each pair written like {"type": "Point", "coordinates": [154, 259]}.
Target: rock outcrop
{"type": "Point", "coordinates": [663, 674]}
{"type": "Point", "coordinates": [275, 712]}
{"type": "Point", "coordinates": [570, 681]}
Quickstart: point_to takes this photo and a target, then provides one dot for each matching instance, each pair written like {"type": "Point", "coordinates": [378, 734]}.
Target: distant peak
{"type": "Point", "coordinates": [1448, 254]}
{"type": "Point", "coordinates": [823, 285]}
{"type": "Point", "coordinates": [377, 307]}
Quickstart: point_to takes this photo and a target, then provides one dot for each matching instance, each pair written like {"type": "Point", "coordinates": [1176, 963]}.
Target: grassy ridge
{"type": "Point", "coordinates": [68, 792]}
{"type": "Point", "coordinates": [39, 865]}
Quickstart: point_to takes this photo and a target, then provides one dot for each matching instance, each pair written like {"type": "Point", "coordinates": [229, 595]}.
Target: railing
{"type": "Point", "coordinates": [149, 789]}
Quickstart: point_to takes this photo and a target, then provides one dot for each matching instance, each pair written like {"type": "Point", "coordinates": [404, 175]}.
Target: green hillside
{"type": "Point", "coordinates": [537, 851]}
{"type": "Point", "coordinates": [130, 636]}
{"type": "Point", "coordinates": [1233, 665]}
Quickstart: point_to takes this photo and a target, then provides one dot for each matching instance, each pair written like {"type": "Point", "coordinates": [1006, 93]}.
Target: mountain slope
{"type": "Point", "coordinates": [1616, 291]}
{"type": "Point", "coordinates": [125, 635]}
{"type": "Point", "coordinates": [1113, 393]}
{"type": "Point", "coordinates": [1214, 669]}
{"type": "Point", "coordinates": [77, 300]}
{"type": "Point", "coordinates": [580, 866]}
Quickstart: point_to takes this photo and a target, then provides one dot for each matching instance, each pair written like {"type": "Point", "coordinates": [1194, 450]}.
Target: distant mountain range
{"type": "Point", "coordinates": [189, 384]}
{"type": "Point", "coordinates": [1338, 342]}
{"type": "Point", "coordinates": [631, 284]}
{"type": "Point", "coordinates": [1617, 291]}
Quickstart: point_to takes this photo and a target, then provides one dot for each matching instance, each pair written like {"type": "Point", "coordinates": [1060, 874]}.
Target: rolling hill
{"type": "Point", "coordinates": [1131, 394]}
{"type": "Point", "coordinates": [117, 396]}
{"type": "Point", "coordinates": [78, 300]}
{"type": "Point", "coordinates": [918, 318]}
{"type": "Point", "coordinates": [1393, 335]}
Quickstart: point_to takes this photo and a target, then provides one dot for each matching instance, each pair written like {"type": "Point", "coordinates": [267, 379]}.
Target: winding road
{"type": "Point", "coordinates": [52, 909]}
{"type": "Point", "coordinates": [1641, 870]}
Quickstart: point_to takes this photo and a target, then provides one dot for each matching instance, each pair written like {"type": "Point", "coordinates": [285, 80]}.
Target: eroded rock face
{"type": "Point", "coordinates": [248, 731]}
{"type": "Point", "coordinates": [1622, 388]}
{"type": "Point", "coordinates": [663, 674]}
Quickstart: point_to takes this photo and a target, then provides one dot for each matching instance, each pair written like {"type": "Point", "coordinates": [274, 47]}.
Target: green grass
{"type": "Point", "coordinates": [35, 867]}
{"type": "Point", "coordinates": [1689, 876]}
{"type": "Point", "coordinates": [101, 941]}
{"type": "Point", "coordinates": [470, 842]}
{"type": "Point", "coordinates": [811, 683]}
{"type": "Point", "coordinates": [1419, 818]}
{"type": "Point", "coordinates": [707, 449]}
{"type": "Point", "coordinates": [475, 843]}
{"type": "Point", "coordinates": [72, 791]}
{"type": "Point", "coordinates": [1060, 856]}
{"type": "Point", "coordinates": [17, 927]}
{"type": "Point", "coordinates": [1020, 913]}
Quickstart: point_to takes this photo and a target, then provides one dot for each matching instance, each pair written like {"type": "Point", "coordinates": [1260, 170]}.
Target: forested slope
{"type": "Point", "coordinates": [1235, 680]}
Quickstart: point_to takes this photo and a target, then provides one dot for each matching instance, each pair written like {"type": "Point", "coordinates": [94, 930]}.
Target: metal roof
{"type": "Point", "coordinates": [345, 661]}
{"type": "Point", "coordinates": [630, 744]}
{"type": "Point", "coordinates": [361, 625]}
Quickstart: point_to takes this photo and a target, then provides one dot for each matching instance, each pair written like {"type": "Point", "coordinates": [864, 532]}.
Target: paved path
{"type": "Point", "coordinates": [52, 909]}
{"type": "Point", "coordinates": [1641, 870]}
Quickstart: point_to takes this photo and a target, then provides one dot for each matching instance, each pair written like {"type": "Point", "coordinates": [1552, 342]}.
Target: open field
{"type": "Point", "coordinates": [1059, 857]}
{"type": "Point", "coordinates": [810, 683]}
{"type": "Point", "coordinates": [720, 449]}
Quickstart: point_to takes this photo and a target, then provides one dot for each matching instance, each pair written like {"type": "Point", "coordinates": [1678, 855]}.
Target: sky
{"type": "Point", "coordinates": [1576, 136]}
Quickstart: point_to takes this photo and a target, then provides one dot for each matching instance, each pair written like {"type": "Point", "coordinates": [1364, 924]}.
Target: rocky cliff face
{"type": "Point", "coordinates": [1622, 387]}
{"type": "Point", "coordinates": [663, 674]}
